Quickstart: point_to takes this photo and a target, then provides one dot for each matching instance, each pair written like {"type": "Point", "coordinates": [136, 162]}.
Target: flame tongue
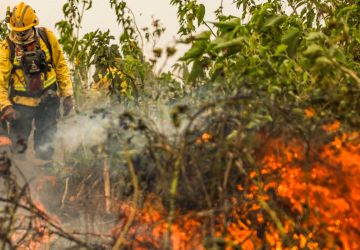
{"type": "Point", "coordinates": [324, 195]}
{"type": "Point", "coordinates": [300, 200]}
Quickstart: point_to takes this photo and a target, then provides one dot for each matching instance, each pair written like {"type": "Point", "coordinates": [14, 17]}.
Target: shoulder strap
{"type": "Point", "coordinates": [44, 37]}
{"type": "Point", "coordinates": [11, 49]}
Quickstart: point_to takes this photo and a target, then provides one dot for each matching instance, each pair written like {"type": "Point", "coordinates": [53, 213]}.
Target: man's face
{"type": "Point", "coordinates": [23, 35]}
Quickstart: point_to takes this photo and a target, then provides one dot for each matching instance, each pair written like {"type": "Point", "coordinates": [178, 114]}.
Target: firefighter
{"type": "Point", "coordinates": [119, 85]}
{"type": "Point", "coordinates": [34, 76]}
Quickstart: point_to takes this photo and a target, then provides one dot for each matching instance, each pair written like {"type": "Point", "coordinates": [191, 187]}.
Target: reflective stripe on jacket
{"type": "Point", "coordinates": [59, 73]}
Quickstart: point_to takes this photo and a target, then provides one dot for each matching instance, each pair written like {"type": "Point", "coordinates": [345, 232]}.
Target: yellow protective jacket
{"type": "Point", "coordinates": [119, 82]}
{"type": "Point", "coordinates": [59, 74]}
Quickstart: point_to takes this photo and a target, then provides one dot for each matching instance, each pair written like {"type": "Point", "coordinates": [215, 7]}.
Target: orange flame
{"type": "Point", "coordinates": [325, 187]}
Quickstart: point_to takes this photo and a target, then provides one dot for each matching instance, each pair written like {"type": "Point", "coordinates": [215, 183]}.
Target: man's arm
{"type": "Point", "coordinates": [61, 66]}
{"type": "Point", "coordinates": [5, 71]}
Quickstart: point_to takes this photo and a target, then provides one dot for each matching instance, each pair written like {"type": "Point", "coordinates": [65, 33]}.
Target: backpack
{"type": "Point", "coordinates": [43, 36]}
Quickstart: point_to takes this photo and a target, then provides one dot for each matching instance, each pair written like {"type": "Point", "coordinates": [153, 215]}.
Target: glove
{"type": "Point", "coordinates": [9, 114]}
{"type": "Point", "coordinates": [68, 105]}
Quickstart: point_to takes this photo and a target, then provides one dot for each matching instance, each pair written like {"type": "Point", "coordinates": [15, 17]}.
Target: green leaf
{"type": "Point", "coordinates": [290, 35]}
{"type": "Point", "coordinates": [291, 38]}
{"type": "Point", "coordinates": [274, 20]}
{"type": "Point", "coordinates": [268, 118]}
{"type": "Point", "coordinates": [89, 5]}
{"type": "Point", "coordinates": [315, 36]}
{"type": "Point", "coordinates": [338, 54]}
{"type": "Point", "coordinates": [203, 35]}
{"type": "Point", "coordinates": [195, 51]}
{"type": "Point", "coordinates": [303, 12]}
{"type": "Point", "coordinates": [65, 9]}
{"type": "Point", "coordinates": [185, 71]}
{"type": "Point", "coordinates": [313, 50]}
{"type": "Point", "coordinates": [273, 89]}
{"type": "Point", "coordinates": [233, 135]}
{"type": "Point", "coordinates": [216, 41]}
{"type": "Point", "coordinates": [280, 49]}
{"type": "Point", "coordinates": [255, 123]}
{"type": "Point", "coordinates": [230, 24]}
{"type": "Point", "coordinates": [200, 14]}
{"type": "Point", "coordinates": [305, 76]}
{"type": "Point", "coordinates": [300, 3]}
{"type": "Point", "coordinates": [310, 17]}
{"type": "Point", "coordinates": [196, 71]}
{"type": "Point", "coordinates": [233, 42]}
{"type": "Point", "coordinates": [324, 61]}
{"type": "Point", "coordinates": [344, 11]}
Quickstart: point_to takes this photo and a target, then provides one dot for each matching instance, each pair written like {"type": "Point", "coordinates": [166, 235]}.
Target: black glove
{"type": "Point", "coordinates": [68, 105]}
{"type": "Point", "coordinates": [8, 114]}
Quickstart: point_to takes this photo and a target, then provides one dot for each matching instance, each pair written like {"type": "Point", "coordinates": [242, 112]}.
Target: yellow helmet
{"type": "Point", "coordinates": [23, 17]}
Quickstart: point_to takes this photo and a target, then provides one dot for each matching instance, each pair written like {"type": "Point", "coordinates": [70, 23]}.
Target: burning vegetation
{"type": "Point", "coordinates": [283, 193]}
{"type": "Point", "coordinates": [252, 142]}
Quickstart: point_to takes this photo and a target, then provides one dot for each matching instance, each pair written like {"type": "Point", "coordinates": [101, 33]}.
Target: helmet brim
{"type": "Point", "coordinates": [19, 29]}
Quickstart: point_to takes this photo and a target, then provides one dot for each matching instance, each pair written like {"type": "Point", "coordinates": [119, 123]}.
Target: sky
{"type": "Point", "coordinates": [103, 17]}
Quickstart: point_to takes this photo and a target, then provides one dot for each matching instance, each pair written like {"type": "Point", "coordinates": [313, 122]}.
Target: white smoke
{"type": "Point", "coordinates": [82, 131]}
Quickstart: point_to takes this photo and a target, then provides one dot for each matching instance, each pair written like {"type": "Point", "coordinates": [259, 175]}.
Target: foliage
{"type": "Point", "coordinates": [98, 49]}
{"type": "Point", "coordinates": [3, 30]}
{"type": "Point", "coordinates": [302, 66]}
{"type": "Point", "coordinates": [189, 11]}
